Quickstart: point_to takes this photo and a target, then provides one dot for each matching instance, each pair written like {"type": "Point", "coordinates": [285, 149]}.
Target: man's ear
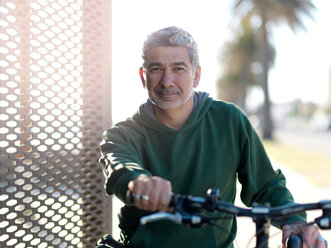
{"type": "Point", "coordinates": [141, 74]}
{"type": "Point", "coordinates": [197, 75]}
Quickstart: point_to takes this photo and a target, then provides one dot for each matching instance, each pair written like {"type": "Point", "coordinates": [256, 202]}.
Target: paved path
{"type": "Point", "coordinates": [302, 189]}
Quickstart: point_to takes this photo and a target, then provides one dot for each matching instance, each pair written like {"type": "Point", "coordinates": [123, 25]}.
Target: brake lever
{"type": "Point", "coordinates": [176, 218]}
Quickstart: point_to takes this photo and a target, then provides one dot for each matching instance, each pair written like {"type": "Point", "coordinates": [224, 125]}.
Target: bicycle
{"type": "Point", "coordinates": [188, 210]}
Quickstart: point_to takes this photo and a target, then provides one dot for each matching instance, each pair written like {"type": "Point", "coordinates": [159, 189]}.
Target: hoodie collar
{"type": "Point", "coordinates": [198, 98]}
{"type": "Point", "coordinates": [146, 117]}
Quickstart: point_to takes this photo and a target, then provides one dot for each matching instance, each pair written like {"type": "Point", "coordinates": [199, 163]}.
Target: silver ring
{"type": "Point", "coordinates": [137, 196]}
{"type": "Point", "coordinates": [144, 197]}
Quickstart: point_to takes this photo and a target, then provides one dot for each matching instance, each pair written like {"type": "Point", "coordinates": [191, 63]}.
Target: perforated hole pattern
{"type": "Point", "coordinates": [54, 99]}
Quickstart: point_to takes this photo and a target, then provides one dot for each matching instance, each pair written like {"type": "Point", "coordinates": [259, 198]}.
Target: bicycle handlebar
{"type": "Point", "coordinates": [187, 210]}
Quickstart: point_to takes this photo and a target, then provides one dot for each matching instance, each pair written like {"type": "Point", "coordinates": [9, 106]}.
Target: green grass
{"type": "Point", "coordinates": [314, 166]}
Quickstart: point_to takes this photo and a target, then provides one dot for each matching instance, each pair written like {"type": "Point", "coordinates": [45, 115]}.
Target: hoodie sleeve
{"type": "Point", "coordinates": [120, 160]}
{"type": "Point", "coordinates": [261, 183]}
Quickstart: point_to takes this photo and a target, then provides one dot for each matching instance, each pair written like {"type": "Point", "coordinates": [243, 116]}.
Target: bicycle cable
{"type": "Point", "coordinates": [224, 230]}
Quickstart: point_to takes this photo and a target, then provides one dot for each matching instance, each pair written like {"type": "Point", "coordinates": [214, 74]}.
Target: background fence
{"type": "Point", "coordinates": [55, 104]}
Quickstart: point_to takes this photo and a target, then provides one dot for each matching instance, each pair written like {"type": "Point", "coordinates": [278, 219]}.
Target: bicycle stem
{"type": "Point", "coordinates": [262, 232]}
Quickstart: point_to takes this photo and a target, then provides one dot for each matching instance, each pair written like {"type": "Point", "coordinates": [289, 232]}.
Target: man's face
{"type": "Point", "coordinates": [170, 77]}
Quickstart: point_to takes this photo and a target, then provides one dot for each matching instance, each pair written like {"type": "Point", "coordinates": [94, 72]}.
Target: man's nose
{"type": "Point", "coordinates": [167, 79]}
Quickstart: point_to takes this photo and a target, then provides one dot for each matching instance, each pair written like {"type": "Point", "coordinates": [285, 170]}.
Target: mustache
{"type": "Point", "coordinates": [167, 91]}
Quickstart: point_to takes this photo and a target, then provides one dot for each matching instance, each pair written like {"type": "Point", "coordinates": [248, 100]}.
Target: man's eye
{"type": "Point", "coordinates": [156, 69]}
{"type": "Point", "coordinates": [179, 69]}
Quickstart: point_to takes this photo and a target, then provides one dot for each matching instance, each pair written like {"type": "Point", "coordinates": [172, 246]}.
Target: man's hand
{"type": "Point", "coordinates": [310, 234]}
{"type": "Point", "coordinates": [151, 193]}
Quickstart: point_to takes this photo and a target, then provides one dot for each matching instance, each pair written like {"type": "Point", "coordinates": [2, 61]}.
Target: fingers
{"type": "Point", "coordinates": [289, 230]}
{"type": "Point", "coordinates": [151, 193]}
{"type": "Point", "coordinates": [141, 192]}
{"type": "Point", "coordinates": [310, 235]}
{"type": "Point", "coordinates": [320, 242]}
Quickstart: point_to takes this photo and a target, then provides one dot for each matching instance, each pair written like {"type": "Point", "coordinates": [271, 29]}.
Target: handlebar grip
{"type": "Point", "coordinates": [294, 241]}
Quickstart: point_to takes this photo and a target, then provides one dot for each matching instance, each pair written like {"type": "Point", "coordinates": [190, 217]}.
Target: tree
{"type": "Point", "coordinates": [238, 57]}
{"type": "Point", "coordinates": [271, 12]}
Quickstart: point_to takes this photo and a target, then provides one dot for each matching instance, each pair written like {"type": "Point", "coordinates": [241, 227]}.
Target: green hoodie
{"type": "Point", "coordinates": [216, 145]}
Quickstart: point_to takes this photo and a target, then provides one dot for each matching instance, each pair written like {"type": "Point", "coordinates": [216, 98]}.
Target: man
{"type": "Point", "coordinates": [185, 142]}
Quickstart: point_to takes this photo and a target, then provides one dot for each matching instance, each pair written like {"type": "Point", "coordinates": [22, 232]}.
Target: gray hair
{"type": "Point", "coordinates": [171, 36]}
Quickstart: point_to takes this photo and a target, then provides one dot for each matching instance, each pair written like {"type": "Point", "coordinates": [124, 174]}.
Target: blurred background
{"type": "Point", "coordinates": [69, 70]}
{"type": "Point", "coordinates": [272, 58]}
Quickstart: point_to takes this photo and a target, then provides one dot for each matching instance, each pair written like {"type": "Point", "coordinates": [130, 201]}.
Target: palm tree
{"type": "Point", "coordinates": [237, 59]}
{"type": "Point", "coordinates": [271, 12]}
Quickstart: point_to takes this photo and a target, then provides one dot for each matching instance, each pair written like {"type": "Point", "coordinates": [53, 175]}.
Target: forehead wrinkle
{"type": "Point", "coordinates": [181, 63]}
